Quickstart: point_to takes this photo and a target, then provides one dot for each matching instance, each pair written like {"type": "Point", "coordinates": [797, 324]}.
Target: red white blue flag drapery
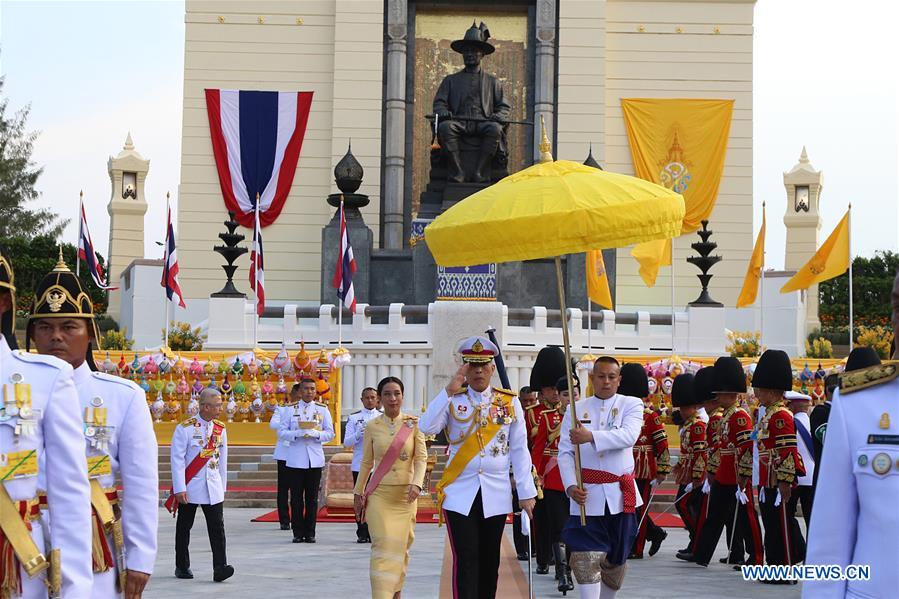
{"type": "Point", "coordinates": [256, 141]}
{"type": "Point", "coordinates": [86, 252]}
{"type": "Point", "coordinates": [170, 268]}
{"type": "Point", "coordinates": [257, 267]}
{"type": "Point", "coordinates": [346, 266]}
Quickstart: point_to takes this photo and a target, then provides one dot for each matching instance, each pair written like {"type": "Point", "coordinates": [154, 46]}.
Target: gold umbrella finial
{"type": "Point", "coordinates": [545, 147]}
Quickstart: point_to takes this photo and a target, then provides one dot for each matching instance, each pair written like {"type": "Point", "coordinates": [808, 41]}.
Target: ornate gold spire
{"type": "Point", "coordinates": [545, 146]}
{"type": "Point", "coordinates": [61, 263]}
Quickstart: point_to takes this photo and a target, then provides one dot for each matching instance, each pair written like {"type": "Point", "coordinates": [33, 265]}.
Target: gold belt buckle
{"type": "Point", "coordinates": [36, 565]}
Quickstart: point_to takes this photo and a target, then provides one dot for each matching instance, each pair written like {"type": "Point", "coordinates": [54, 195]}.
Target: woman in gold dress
{"type": "Point", "coordinates": [395, 455]}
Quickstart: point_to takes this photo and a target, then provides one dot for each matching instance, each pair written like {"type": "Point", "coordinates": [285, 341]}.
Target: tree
{"type": "Point", "coordinates": [18, 176]}
{"type": "Point", "coordinates": [872, 283]}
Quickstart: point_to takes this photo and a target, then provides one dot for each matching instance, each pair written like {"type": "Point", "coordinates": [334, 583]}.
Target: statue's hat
{"type": "Point", "coordinates": [476, 36]}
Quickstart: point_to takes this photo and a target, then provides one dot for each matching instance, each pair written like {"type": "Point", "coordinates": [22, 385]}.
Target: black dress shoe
{"type": "Point", "coordinates": [523, 556]}
{"type": "Point", "coordinates": [542, 569]}
{"type": "Point", "coordinates": [298, 540]}
{"type": "Point", "coordinates": [179, 573]}
{"type": "Point", "coordinates": [223, 573]}
{"type": "Point", "coordinates": [725, 560]}
{"type": "Point", "coordinates": [362, 540]}
{"type": "Point", "coordinates": [635, 556]}
{"type": "Point", "coordinates": [656, 543]}
{"type": "Point", "coordinates": [310, 539]}
{"type": "Point", "coordinates": [285, 527]}
{"type": "Point", "coordinates": [685, 555]}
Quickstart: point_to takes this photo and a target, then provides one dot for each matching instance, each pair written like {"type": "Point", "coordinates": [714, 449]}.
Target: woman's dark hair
{"type": "Point", "coordinates": [390, 379]}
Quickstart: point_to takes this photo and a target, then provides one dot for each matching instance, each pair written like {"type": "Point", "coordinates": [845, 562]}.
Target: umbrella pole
{"type": "Point", "coordinates": [571, 406]}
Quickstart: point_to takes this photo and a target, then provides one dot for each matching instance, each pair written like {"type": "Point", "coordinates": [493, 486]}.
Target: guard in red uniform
{"type": "Point", "coordinates": [651, 460]}
{"type": "Point", "coordinates": [731, 489]}
{"type": "Point", "coordinates": [544, 455]}
{"type": "Point", "coordinates": [780, 463]}
{"type": "Point", "coordinates": [690, 469]}
{"type": "Point", "coordinates": [548, 368]}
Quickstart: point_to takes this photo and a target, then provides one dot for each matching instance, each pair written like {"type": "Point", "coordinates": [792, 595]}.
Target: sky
{"type": "Point", "coordinates": [93, 71]}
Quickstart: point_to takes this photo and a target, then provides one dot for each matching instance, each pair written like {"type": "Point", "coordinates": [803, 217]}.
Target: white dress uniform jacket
{"type": "Point", "coordinates": [130, 443]}
{"type": "Point", "coordinates": [855, 520]}
{"type": "Point", "coordinates": [57, 438]}
{"type": "Point", "coordinates": [304, 445]}
{"type": "Point", "coordinates": [210, 483]}
{"type": "Point", "coordinates": [489, 470]}
{"type": "Point", "coordinates": [355, 431]}
{"type": "Point", "coordinates": [808, 459]}
{"type": "Point", "coordinates": [615, 423]}
{"type": "Point", "coordinates": [280, 452]}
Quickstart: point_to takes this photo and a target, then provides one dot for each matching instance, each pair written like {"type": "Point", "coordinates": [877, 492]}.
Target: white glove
{"type": "Point", "coordinates": [706, 487]}
{"type": "Point", "coordinates": [741, 497]}
{"type": "Point", "coordinates": [762, 495]}
{"type": "Point", "coordinates": [688, 488]}
{"type": "Point", "coordinates": [653, 483]}
{"type": "Point", "coordinates": [525, 524]}
{"type": "Point", "coordinates": [313, 434]}
{"type": "Point", "coordinates": [777, 500]}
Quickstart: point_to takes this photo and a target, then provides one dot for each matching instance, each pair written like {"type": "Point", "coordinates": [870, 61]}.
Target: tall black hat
{"type": "Point", "coordinates": [8, 318]}
{"type": "Point", "coordinates": [633, 381]}
{"type": "Point", "coordinates": [562, 383]}
{"type": "Point", "coordinates": [774, 371]}
{"type": "Point", "coordinates": [729, 376]}
{"type": "Point", "coordinates": [60, 295]}
{"type": "Point", "coordinates": [548, 368]}
{"type": "Point", "coordinates": [703, 383]}
{"type": "Point", "coordinates": [683, 391]}
{"type": "Point", "coordinates": [861, 357]}
{"type": "Point", "coordinates": [476, 36]}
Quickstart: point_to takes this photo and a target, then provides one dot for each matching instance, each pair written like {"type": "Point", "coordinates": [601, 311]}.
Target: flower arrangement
{"type": "Point", "coordinates": [819, 348]}
{"type": "Point", "coordinates": [879, 337]}
{"type": "Point", "coordinates": [113, 339]}
{"type": "Point", "coordinates": [744, 344]}
{"type": "Point", "coordinates": [183, 338]}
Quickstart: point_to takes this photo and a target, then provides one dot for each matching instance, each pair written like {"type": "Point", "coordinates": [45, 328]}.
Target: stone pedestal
{"type": "Point", "coordinates": [230, 325]}
{"type": "Point", "coordinates": [705, 332]}
{"type": "Point", "coordinates": [453, 322]}
{"type": "Point", "coordinates": [361, 239]}
{"type": "Point", "coordinates": [424, 269]}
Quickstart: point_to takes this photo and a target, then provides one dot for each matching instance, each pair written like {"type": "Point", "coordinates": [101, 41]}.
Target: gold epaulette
{"type": "Point", "coordinates": [868, 377]}
{"type": "Point", "coordinates": [318, 403]}
{"type": "Point", "coordinates": [219, 422]}
{"type": "Point", "coordinates": [530, 407]}
{"type": "Point", "coordinates": [189, 422]}
{"type": "Point", "coordinates": [504, 391]}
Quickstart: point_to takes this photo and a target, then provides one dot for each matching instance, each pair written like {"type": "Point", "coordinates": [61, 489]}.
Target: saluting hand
{"type": "Point", "coordinates": [455, 385]}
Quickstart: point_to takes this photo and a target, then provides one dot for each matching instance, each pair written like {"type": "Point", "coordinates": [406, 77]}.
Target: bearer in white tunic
{"type": "Point", "coordinates": [609, 426]}
{"type": "Point", "coordinates": [485, 428]}
{"type": "Point", "coordinates": [352, 439]}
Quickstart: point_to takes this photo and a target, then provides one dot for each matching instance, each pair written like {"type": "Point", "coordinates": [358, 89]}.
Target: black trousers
{"type": "Point", "coordinates": [804, 494]}
{"type": "Point", "coordinates": [540, 532]}
{"type": "Point", "coordinates": [283, 492]}
{"type": "Point", "coordinates": [556, 514]}
{"type": "Point", "coordinates": [304, 483]}
{"type": "Point", "coordinates": [521, 541]}
{"type": "Point", "coordinates": [215, 526]}
{"type": "Point", "coordinates": [689, 507]}
{"type": "Point", "coordinates": [475, 542]}
{"type": "Point", "coordinates": [722, 503]}
{"type": "Point", "coordinates": [361, 527]}
{"type": "Point", "coordinates": [782, 532]}
{"type": "Point", "coordinates": [649, 529]}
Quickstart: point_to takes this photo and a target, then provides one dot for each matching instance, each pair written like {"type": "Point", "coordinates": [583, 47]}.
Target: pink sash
{"type": "Point", "coordinates": [386, 463]}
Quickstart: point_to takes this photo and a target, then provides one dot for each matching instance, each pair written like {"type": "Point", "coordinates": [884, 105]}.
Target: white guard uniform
{"type": "Point", "coordinates": [355, 431]}
{"type": "Point", "coordinates": [129, 441]}
{"type": "Point", "coordinates": [304, 442]}
{"type": "Point", "coordinates": [855, 520]}
{"type": "Point", "coordinates": [488, 471]}
{"type": "Point", "coordinates": [210, 483]}
{"type": "Point", "coordinates": [616, 424]}
{"type": "Point", "coordinates": [57, 438]}
{"type": "Point", "coordinates": [281, 445]}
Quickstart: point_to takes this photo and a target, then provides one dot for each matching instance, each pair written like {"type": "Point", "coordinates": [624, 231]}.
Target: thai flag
{"type": "Point", "coordinates": [346, 266]}
{"type": "Point", "coordinates": [257, 269]}
{"type": "Point", "coordinates": [86, 252]}
{"type": "Point", "coordinates": [170, 264]}
{"type": "Point", "coordinates": [256, 141]}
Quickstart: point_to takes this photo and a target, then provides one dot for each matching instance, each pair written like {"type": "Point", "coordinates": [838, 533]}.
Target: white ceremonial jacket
{"type": "Point", "coordinates": [131, 440]}
{"type": "Point", "coordinates": [280, 452]}
{"type": "Point", "coordinates": [304, 441]}
{"type": "Point", "coordinates": [855, 520]}
{"type": "Point", "coordinates": [355, 431]}
{"type": "Point", "coordinates": [211, 482]}
{"type": "Point", "coordinates": [616, 424]}
{"type": "Point", "coordinates": [57, 438]}
{"type": "Point", "coordinates": [808, 459]}
{"type": "Point", "coordinates": [489, 470]}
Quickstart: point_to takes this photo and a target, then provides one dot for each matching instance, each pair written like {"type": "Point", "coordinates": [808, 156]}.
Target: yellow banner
{"type": "Point", "coordinates": [598, 281]}
{"type": "Point", "coordinates": [754, 270]}
{"type": "Point", "coordinates": [831, 260]}
{"type": "Point", "coordinates": [680, 144]}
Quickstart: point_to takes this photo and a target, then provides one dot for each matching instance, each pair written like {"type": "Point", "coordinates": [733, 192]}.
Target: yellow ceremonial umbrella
{"type": "Point", "coordinates": [576, 208]}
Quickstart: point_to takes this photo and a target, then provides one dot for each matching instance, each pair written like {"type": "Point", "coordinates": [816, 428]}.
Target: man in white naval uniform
{"type": "Point", "coordinates": [855, 520]}
{"type": "Point", "coordinates": [40, 424]}
{"type": "Point", "coordinates": [305, 428]}
{"type": "Point", "coordinates": [609, 426]}
{"type": "Point", "coordinates": [485, 428]}
{"type": "Point", "coordinates": [118, 435]}
{"type": "Point", "coordinates": [352, 439]}
{"type": "Point", "coordinates": [280, 455]}
{"type": "Point", "coordinates": [205, 437]}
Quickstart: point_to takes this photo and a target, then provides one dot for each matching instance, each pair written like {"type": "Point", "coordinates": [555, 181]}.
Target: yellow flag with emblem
{"type": "Point", "coordinates": [830, 261]}
{"type": "Point", "coordinates": [681, 144]}
{"type": "Point", "coordinates": [598, 281]}
{"type": "Point", "coordinates": [754, 271]}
